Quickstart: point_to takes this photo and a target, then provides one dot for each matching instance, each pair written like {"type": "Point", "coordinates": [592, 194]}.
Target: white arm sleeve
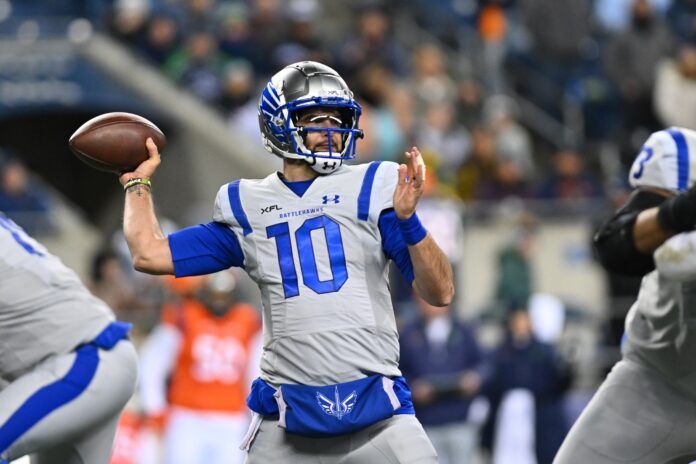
{"type": "Point", "coordinates": [157, 357]}
{"type": "Point", "coordinates": [676, 258]}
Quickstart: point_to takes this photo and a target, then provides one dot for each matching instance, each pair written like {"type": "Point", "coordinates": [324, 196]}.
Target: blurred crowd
{"type": "Point", "coordinates": [457, 78]}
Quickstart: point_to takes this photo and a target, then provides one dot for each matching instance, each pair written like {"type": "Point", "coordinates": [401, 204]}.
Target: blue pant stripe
{"type": "Point", "coordinates": [51, 397]}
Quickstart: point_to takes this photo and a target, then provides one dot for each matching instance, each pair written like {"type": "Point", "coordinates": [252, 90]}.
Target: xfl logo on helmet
{"type": "Point", "coordinates": [325, 199]}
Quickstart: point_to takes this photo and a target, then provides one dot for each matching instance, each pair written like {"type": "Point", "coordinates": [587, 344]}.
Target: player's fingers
{"type": "Point", "coordinates": [421, 166]}
{"type": "Point", "coordinates": [409, 165]}
{"type": "Point", "coordinates": [415, 156]}
{"type": "Point", "coordinates": [402, 174]}
{"type": "Point", "coordinates": [151, 148]}
{"type": "Point", "coordinates": [419, 179]}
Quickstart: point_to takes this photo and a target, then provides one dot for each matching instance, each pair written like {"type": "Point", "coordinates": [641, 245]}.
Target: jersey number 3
{"type": "Point", "coordinates": [308, 262]}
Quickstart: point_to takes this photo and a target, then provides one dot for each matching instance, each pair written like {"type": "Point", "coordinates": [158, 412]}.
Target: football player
{"type": "Point", "coordinates": [317, 238]}
{"type": "Point", "coordinates": [645, 411]}
{"type": "Point", "coordinates": [70, 367]}
{"type": "Point", "coordinates": [195, 367]}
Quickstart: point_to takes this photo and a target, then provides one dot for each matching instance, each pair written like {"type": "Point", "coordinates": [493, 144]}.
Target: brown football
{"type": "Point", "coordinates": [115, 142]}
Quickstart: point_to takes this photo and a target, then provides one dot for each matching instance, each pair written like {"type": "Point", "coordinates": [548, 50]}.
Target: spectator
{"type": "Point", "coordinates": [675, 89]}
{"type": "Point", "coordinates": [570, 179]}
{"type": "Point", "coordinates": [401, 103]}
{"type": "Point", "coordinates": [512, 141]}
{"type": "Point", "coordinates": [109, 282]}
{"type": "Point", "coordinates": [492, 28]}
{"type": "Point", "coordinates": [447, 141]}
{"type": "Point", "coordinates": [479, 168]}
{"type": "Point", "coordinates": [485, 176]}
{"type": "Point", "coordinates": [523, 362]}
{"type": "Point", "coordinates": [22, 200]}
{"type": "Point", "coordinates": [507, 182]}
{"type": "Point", "coordinates": [631, 59]}
{"type": "Point", "coordinates": [268, 29]}
{"type": "Point", "coordinates": [302, 33]}
{"type": "Point", "coordinates": [384, 136]}
{"type": "Point", "coordinates": [161, 37]}
{"type": "Point", "coordinates": [430, 80]}
{"type": "Point", "coordinates": [200, 15]}
{"type": "Point", "coordinates": [237, 85]}
{"type": "Point", "coordinates": [469, 102]}
{"type": "Point", "coordinates": [235, 35]}
{"type": "Point", "coordinates": [374, 43]}
{"type": "Point", "coordinates": [207, 347]}
{"type": "Point", "coordinates": [128, 20]}
{"type": "Point", "coordinates": [440, 358]}
{"type": "Point", "coordinates": [198, 66]}
{"type": "Point", "coordinates": [515, 281]}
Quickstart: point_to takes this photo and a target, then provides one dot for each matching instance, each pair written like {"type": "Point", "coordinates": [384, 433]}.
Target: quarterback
{"type": "Point", "coordinates": [317, 238]}
{"type": "Point", "coordinates": [645, 411]}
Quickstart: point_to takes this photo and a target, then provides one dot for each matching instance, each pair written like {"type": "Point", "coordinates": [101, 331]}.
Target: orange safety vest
{"type": "Point", "coordinates": [211, 369]}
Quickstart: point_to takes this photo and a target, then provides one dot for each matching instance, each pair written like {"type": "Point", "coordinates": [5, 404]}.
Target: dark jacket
{"type": "Point", "coordinates": [442, 366]}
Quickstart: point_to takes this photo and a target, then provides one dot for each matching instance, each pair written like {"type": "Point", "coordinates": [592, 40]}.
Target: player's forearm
{"type": "Point", "coordinates": [648, 235]}
{"type": "Point", "coordinates": [148, 246]}
{"type": "Point", "coordinates": [432, 272]}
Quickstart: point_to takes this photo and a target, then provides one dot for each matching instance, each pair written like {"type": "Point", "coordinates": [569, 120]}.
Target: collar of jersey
{"type": "Point", "coordinates": [297, 187]}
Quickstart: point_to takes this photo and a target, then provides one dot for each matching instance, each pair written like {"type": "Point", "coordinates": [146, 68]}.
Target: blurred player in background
{"type": "Point", "coordinates": [645, 411]}
{"type": "Point", "coordinates": [69, 365]}
{"type": "Point", "coordinates": [317, 239]}
{"type": "Point", "coordinates": [197, 366]}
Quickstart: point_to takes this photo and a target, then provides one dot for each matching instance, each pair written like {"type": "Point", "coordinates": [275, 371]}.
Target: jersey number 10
{"type": "Point", "coordinates": [308, 263]}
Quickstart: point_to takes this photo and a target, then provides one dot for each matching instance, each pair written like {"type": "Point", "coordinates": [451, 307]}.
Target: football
{"type": "Point", "coordinates": [115, 142]}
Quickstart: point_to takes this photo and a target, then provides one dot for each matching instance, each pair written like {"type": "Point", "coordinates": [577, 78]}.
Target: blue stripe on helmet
{"type": "Point", "coordinates": [366, 191]}
{"type": "Point", "coordinates": [237, 209]}
{"type": "Point", "coordinates": [682, 158]}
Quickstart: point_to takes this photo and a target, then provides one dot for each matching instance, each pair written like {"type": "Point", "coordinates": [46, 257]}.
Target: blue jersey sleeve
{"type": "Point", "coordinates": [394, 245]}
{"type": "Point", "coordinates": [204, 249]}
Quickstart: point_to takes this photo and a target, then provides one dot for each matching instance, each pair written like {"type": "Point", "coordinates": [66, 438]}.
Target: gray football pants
{"type": "Point", "coordinates": [397, 440]}
{"type": "Point", "coordinates": [65, 411]}
{"type": "Point", "coordinates": [635, 417]}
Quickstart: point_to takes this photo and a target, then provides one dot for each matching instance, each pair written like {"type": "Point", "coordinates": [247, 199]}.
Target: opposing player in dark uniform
{"type": "Point", "coordinates": [69, 367]}
{"type": "Point", "coordinates": [645, 411]}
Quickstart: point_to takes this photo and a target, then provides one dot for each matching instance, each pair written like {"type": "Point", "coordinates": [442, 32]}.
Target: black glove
{"type": "Point", "coordinates": [678, 213]}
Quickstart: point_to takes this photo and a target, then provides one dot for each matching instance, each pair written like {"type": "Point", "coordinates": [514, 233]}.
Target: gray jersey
{"type": "Point", "coordinates": [319, 264]}
{"type": "Point", "coordinates": [44, 307]}
{"type": "Point", "coordinates": [661, 330]}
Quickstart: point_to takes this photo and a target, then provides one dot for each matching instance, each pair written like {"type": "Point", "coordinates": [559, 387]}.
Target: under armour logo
{"type": "Point", "coordinates": [326, 199]}
{"type": "Point", "coordinates": [268, 209]}
{"type": "Point", "coordinates": [327, 165]}
{"type": "Point", "coordinates": [337, 408]}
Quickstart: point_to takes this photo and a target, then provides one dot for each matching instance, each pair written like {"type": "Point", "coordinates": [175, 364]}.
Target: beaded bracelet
{"type": "Point", "coordinates": [138, 181]}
